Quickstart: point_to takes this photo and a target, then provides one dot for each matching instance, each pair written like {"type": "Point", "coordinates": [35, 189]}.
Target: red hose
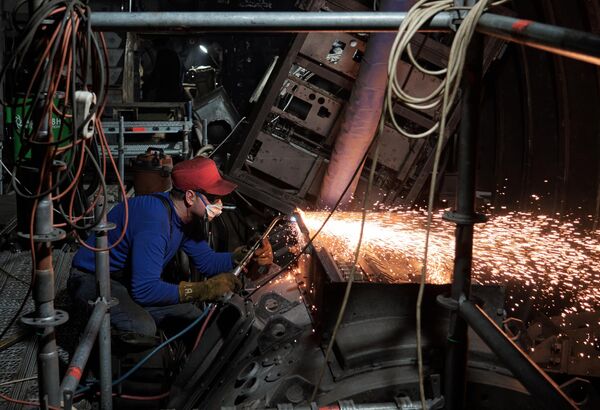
{"type": "Point", "coordinates": [204, 325]}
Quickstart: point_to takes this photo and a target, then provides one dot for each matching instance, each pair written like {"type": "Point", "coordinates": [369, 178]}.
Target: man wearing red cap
{"type": "Point", "coordinates": [159, 225]}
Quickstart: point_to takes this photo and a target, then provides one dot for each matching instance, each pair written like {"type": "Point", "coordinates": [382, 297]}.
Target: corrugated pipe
{"type": "Point", "coordinates": [361, 117]}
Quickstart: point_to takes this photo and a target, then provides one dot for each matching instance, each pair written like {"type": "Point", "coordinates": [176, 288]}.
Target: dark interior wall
{"type": "Point", "coordinates": [541, 126]}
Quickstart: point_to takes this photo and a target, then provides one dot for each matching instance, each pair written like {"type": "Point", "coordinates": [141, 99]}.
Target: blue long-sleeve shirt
{"type": "Point", "coordinates": [150, 242]}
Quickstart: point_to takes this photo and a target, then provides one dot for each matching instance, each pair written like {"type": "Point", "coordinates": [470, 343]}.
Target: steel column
{"type": "Point", "coordinates": [522, 367]}
{"type": "Point", "coordinates": [43, 296]}
{"type": "Point", "coordinates": [455, 368]}
{"type": "Point", "coordinates": [103, 281]}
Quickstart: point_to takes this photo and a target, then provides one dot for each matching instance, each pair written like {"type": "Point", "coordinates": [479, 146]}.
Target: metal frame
{"type": "Point", "coordinates": [463, 312]}
{"type": "Point", "coordinates": [98, 325]}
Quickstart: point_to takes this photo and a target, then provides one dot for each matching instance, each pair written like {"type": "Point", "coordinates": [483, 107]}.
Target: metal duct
{"type": "Point", "coordinates": [362, 113]}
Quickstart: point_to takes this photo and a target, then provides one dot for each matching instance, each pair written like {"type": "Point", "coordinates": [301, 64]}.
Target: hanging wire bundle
{"type": "Point", "coordinates": [444, 95]}
{"type": "Point", "coordinates": [61, 65]}
{"type": "Point", "coordinates": [69, 61]}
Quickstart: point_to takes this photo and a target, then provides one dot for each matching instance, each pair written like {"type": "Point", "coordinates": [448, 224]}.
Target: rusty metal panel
{"type": "Point", "coordinates": [339, 52]}
{"type": "Point", "coordinates": [283, 160]}
{"type": "Point", "coordinates": [313, 108]}
{"type": "Point", "coordinates": [393, 149]}
{"type": "Point", "coordinates": [417, 83]}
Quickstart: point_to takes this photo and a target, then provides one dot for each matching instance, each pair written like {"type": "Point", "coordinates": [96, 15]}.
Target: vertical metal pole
{"type": "Point", "coordinates": [121, 148]}
{"type": "Point", "coordinates": [43, 296]}
{"type": "Point", "coordinates": [464, 217]}
{"type": "Point", "coordinates": [185, 148]}
{"type": "Point", "coordinates": [45, 317]}
{"type": "Point", "coordinates": [1, 157]}
{"type": "Point", "coordinates": [204, 132]}
{"type": "Point", "coordinates": [103, 283]}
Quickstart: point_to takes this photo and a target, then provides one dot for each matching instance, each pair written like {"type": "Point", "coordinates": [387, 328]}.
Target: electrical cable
{"type": "Point", "coordinates": [153, 352]}
{"type": "Point", "coordinates": [444, 94]}
{"type": "Point", "coordinates": [212, 308]}
{"type": "Point", "coordinates": [350, 279]}
{"type": "Point", "coordinates": [144, 398]}
{"type": "Point", "coordinates": [26, 379]}
{"type": "Point", "coordinates": [25, 402]}
{"type": "Point", "coordinates": [69, 58]}
{"type": "Point", "coordinates": [227, 137]}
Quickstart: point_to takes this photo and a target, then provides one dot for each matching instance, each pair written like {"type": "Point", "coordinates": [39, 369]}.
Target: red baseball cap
{"type": "Point", "coordinates": [200, 174]}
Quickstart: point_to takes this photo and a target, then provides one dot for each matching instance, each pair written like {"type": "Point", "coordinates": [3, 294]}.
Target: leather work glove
{"type": "Point", "coordinates": [210, 290]}
{"type": "Point", "coordinates": [238, 254]}
{"type": "Point", "coordinates": [264, 254]}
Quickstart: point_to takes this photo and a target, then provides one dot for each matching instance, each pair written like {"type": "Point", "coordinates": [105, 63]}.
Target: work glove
{"type": "Point", "coordinates": [264, 255]}
{"type": "Point", "coordinates": [238, 254]}
{"type": "Point", "coordinates": [210, 290]}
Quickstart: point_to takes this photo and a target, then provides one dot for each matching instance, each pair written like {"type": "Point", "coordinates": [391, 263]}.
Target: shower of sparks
{"type": "Point", "coordinates": [547, 264]}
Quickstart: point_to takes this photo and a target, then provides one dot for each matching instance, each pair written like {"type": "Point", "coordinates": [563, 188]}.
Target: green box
{"type": "Point", "coordinates": [15, 123]}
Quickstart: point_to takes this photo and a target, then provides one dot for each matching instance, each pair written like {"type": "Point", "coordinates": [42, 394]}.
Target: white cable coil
{"type": "Point", "coordinates": [445, 94]}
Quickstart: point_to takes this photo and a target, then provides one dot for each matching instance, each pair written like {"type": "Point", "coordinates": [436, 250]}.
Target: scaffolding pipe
{"type": "Point", "coordinates": [82, 353]}
{"type": "Point", "coordinates": [521, 366]}
{"type": "Point", "coordinates": [455, 369]}
{"type": "Point", "coordinates": [104, 297]}
{"type": "Point", "coordinates": [567, 42]}
{"type": "Point", "coordinates": [121, 152]}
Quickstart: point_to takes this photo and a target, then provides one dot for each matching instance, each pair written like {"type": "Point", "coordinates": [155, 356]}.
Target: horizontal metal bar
{"type": "Point", "coordinates": [146, 127]}
{"type": "Point", "coordinates": [133, 150]}
{"type": "Point", "coordinates": [566, 42]}
{"type": "Point", "coordinates": [259, 21]}
{"type": "Point", "coordinates": [535, 380]}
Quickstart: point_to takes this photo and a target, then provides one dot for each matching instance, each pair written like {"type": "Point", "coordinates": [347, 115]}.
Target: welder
{"type": "Point", "coordinates": [159, 225]}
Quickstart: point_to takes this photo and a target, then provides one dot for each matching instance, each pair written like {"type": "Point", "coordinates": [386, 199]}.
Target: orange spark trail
{"type": "Point", "coordinates": [550, 264]}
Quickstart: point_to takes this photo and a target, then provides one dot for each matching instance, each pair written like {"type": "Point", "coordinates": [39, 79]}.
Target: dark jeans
{"type": "Point", "coordinates": [128, 316]}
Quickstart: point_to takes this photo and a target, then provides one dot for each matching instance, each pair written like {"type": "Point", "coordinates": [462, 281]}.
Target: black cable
{"type": "Point", "coordinates": [101, 93]}
{"type": "Point", "coordinates": [309, 243]}
{"type": "Point", "coordinates": [28, 142]}
{"type": "Point", "coordinates": [104, 201]}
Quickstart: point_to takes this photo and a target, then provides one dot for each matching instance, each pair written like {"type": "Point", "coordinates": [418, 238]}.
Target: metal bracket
{"type": "Point", "coordinates": [113, 302]}
{"type": "Point", "coordinates": [460, 15]}
{"type": "Point", "coordinates": [447, 302]}
{"type": "Point", "coordinates": [54, 236]}
{"type": "Point", "coordinates": [60, 317]}
{"type": "Point", "coordinates": [104, 227]}
{"type": "Point", "coordinates": [273, 304]}
{"type": "Point", "coordinates": [464, 219]}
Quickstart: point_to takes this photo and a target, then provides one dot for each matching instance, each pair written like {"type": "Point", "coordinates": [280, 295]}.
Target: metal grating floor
{"type": "Point", "coordinates": [19, 360]}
